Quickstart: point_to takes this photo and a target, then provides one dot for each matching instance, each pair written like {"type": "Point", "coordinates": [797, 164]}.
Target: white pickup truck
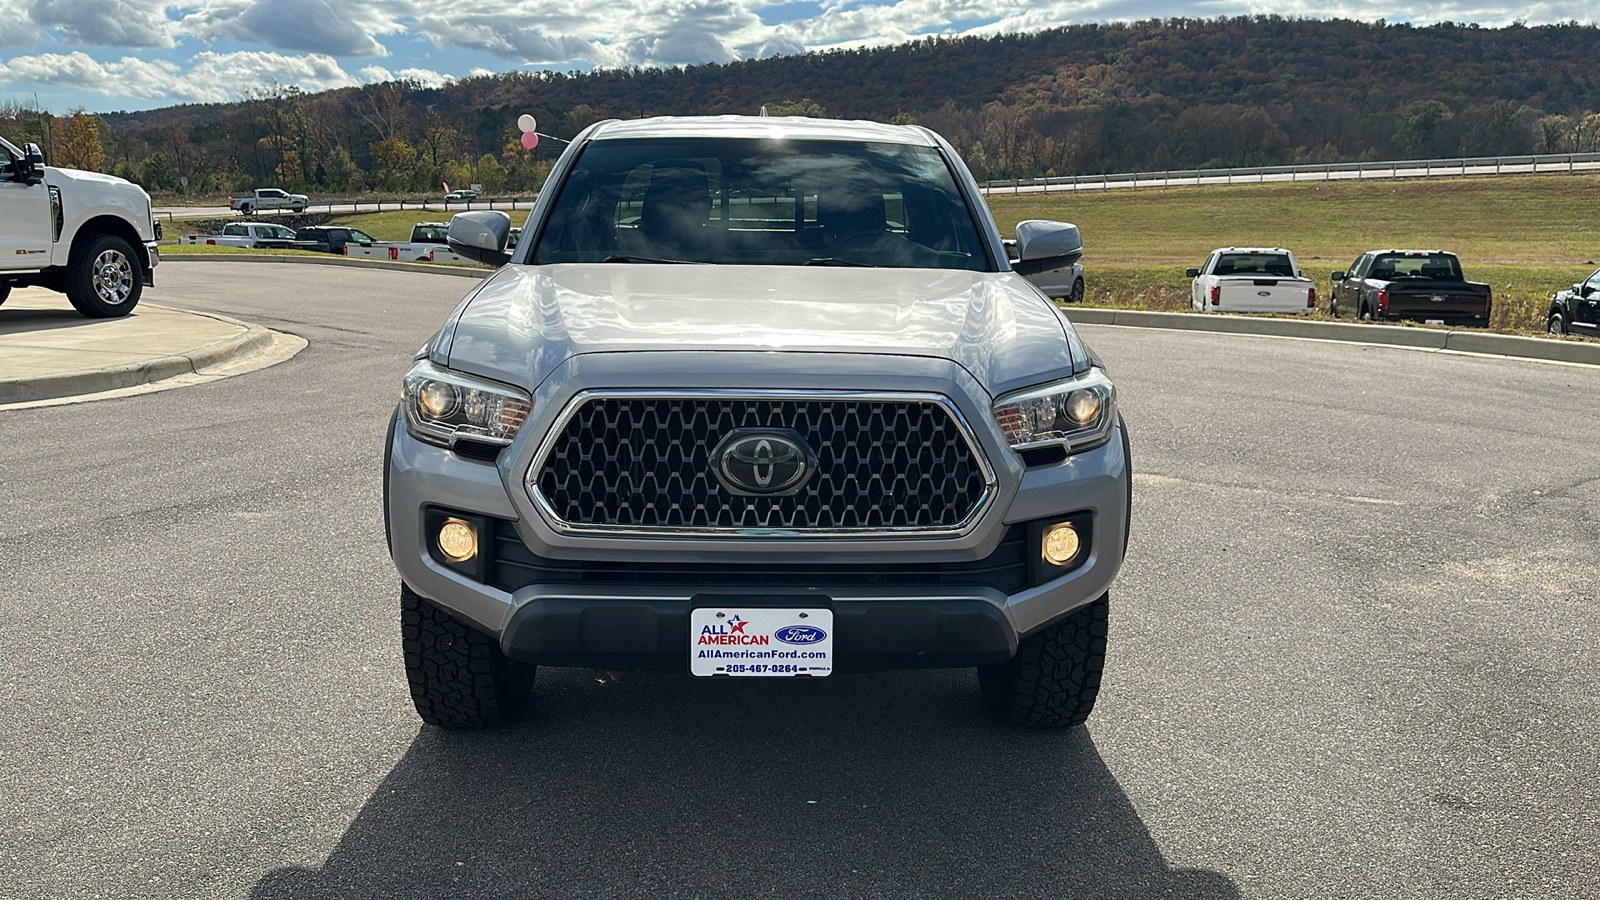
{"type": "Point", "coordinates": [249, 235]}
{"type": "Point", "coordinates": [1251, 279]}
{"type": "Point", "coordinates": [268, 198]}
{"type": "Point", "coordinates": [87, 235]}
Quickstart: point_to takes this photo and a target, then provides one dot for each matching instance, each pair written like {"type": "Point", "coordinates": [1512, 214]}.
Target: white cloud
{"type": "Point", "coordinates": [212, 78]}
{"type": "Point", "coordinates": [106, 23]}
{"type": "Point", "coordinates": [317, 26]}
{"type": "Point", "coordinates": [15, 30]}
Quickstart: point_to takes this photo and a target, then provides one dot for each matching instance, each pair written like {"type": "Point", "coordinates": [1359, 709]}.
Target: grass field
{"type": "Point", "coordinates": [1527, 236]}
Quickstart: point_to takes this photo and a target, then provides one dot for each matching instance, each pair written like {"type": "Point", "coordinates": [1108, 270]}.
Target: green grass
{"type": "Point", "coordinates": [213, 250]}
{"type": "Point", "coordinates": [388, 226]}
{"type": "Point", "coordinates": [1527, 236]}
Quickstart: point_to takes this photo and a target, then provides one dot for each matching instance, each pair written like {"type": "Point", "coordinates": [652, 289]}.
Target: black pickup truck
{"type": "Point", "coordinates": [1425, 285]}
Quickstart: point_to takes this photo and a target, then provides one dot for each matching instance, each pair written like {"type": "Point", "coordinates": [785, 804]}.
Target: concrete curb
{"type": "Point", "coordinates": [348, 262]}
{"type": "Point", "coordinates": [252, 339]}
{"type": "Point", "coordinates": [1580, 352]}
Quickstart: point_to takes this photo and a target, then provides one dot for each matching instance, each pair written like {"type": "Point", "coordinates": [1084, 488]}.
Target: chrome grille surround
{"type": "Point", "coordinates": [959, 504]}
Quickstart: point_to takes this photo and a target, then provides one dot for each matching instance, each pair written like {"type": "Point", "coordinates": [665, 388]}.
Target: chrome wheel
{"type": "Point", "coordinates": [113, 277]}
{"type": "Point", "coordinates": [1557, 324]}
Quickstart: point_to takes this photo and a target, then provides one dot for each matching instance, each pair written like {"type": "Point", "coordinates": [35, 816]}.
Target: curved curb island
{"type": "Point", "coordinates": [1438, 339]}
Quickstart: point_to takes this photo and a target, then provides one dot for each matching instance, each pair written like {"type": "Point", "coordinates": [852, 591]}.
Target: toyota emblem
{"type": "Point", "coordinates": [763, 462]}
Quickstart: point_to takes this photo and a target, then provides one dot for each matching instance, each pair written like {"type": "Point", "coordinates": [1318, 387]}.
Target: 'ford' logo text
{"type": "Point", "coordinates": [800, 634]}
{"type": "Point", "coordinates": [1263, 293]}
{"type": "Point", "coordinates": [761, 461]}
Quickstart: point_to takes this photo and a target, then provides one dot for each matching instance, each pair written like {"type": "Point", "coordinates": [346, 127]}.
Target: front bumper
{"type": "Point", "coordinates": [626, 604]}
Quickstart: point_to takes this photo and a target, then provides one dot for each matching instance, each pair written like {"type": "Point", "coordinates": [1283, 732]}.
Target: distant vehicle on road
{"type": "Point", "coordinates": [461, 194]}
{"type": "Point", "coordinates": [264, 235]}
{"type": "Point", "coordinates": [268, 198]}
{"type": "Point", "coordinates": [1576, 310]}
{"type": "Point", "coordinates": [330, 238]}
{"type": "Point", "coordinates": [1251, 279]}
{"type": "Point", "coordinates": [1425, 285]}
{"type": "Point", "coordinates": [87, 235]}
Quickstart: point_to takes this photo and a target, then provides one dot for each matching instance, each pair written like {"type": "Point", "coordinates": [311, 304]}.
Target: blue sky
{"type": "Point", "coordinates": [108, 55]}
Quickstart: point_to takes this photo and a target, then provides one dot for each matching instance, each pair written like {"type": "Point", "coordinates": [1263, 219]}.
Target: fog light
{"type": "Point", "coordinates": [1061, 544]}
{"type": "Point", "coordinates": [459, 542]}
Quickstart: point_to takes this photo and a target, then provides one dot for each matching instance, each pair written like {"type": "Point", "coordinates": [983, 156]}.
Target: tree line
{"type": "Point", "coordinates": [1083, 99]}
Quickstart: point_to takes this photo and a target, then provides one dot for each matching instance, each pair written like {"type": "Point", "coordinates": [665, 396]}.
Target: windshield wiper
{"type": "Point", "coordinates": [651, 259]}
{"type": "Point", "coordinates": [835, 261]}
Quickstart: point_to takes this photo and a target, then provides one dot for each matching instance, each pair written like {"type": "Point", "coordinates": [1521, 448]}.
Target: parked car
{"type": "Point", "coordinates": [1424, 285]}
{"type": "Point", "coordinates": [1063, 282]}
{"type": "Point", "coordinates": [804, 438]}
{"type": "Point", "coordinates": [1576, 310]}
{"type": "Point", "coordinates": [461, 194]}
{"type": "Point", "coordinates": [268, 198]}
{"type": "Point", "coordinates": [265, 235]}
{"type": "Point", "coordinates": [84, 234]}
{"type": "Point", "coordinates": [330, 238]}
{"type": "Point", "coordinates": [1251, 279]}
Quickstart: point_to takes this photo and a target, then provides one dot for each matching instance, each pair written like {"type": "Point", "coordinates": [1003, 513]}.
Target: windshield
{"type": "Point", "coordinates": [1275, 264]}
{"type": "Point", "coordinates": [1438, 266]}
{"type": "Point", "coordinates": [762, 202]}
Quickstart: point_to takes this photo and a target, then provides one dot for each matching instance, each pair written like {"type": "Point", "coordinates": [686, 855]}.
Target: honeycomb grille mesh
{"type": "Point", "coordinates": [645, 463]}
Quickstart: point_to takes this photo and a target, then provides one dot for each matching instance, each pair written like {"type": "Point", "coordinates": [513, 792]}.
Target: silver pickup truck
{"type": "Point", "coordinates": [757, 397]}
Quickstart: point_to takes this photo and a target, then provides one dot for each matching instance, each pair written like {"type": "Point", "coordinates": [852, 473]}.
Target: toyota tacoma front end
{"type": "Point", "coordinates": [757, 397]}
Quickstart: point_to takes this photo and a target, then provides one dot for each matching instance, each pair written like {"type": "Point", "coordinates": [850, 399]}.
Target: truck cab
{"type": "Point", "coordinates": [84, 234]}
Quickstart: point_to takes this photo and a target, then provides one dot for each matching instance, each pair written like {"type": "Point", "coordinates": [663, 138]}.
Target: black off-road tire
{"type": "Point", "coordinates": [459, 678]}
{"type": "Point", "coordinates": [1054, 679]}
{"type": "Point", "coordinates": [5, 291]}
{"type": "Point", "coordinates": [1366, 314]}
{"type": "Point", "coordinates": [104, 277]}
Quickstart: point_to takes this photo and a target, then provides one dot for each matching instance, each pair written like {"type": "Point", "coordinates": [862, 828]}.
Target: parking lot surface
{"type": "Point", "coordinates": [1352, 655]}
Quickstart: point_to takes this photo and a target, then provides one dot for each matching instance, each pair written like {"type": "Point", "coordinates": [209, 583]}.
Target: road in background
{"type": "Point", "coordinates": [1351, 655]}
{"type": "Point", "coordinates": [217, 212]}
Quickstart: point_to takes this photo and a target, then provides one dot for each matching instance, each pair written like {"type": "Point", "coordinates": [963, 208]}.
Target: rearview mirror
{"type": "Point", "coordinates": [30, 168]}
{"type": "Point", "coordinates": [481, 236]}
{"type": "Point", "coordinates": [1043, 245]}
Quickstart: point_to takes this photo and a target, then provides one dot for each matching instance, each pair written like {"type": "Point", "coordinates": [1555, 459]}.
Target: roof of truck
{"type": "Point", "coordinates": [796, 127]}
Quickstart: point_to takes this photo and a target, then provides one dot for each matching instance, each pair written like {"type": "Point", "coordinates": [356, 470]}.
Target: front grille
{"type": "Point", "coordinates": [644, 464]}
{"type": "Point", "coordinates": [515, 566]}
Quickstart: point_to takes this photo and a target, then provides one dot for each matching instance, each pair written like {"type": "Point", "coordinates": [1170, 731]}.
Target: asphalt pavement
{"type": "Point", "coordinates": [1351, 656]}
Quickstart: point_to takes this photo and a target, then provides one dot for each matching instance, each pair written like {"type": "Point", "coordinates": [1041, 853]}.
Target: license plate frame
{"type": "Point", "coordinates": [760, 642]}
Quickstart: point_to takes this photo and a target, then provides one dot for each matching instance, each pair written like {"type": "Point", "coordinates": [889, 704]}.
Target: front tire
{"type": "Point", "coordinates": [1054, 679]}
{"type": "Point", "coordinates": [104, 277]}
{"type": "Point", "coordinates": [1557, 324]}
{"type": "Point", "coordinates": [459, 678]}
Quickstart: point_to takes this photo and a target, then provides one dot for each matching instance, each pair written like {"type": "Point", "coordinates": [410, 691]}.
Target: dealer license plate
{"type": "Point", "coordinates": [730, 640]}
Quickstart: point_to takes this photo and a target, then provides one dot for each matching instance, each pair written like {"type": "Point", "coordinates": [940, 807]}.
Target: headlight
{"type": "Point", "coordinates": [1078, 414]}
{"type": "Point", "coordinates": [442, 406]}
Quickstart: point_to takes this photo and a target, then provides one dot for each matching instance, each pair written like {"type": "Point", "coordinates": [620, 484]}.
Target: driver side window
{"type": "Point", "coordinates": [1593, 284]}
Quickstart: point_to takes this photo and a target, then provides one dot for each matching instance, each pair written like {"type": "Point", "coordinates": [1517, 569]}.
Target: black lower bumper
{"type": "Point", "coordinates": [869, 635]}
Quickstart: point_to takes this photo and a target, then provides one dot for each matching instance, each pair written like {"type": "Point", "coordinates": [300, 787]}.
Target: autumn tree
{"type": "Point", "coordinates": [77, 141]}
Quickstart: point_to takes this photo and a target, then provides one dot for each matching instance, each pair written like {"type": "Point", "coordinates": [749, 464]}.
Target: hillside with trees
{"type": "Point", "coordinates": [1145, 96]}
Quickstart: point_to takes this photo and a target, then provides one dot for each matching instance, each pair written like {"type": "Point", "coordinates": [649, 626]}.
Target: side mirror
{"type": "Point", "coordinates": [481, 236]}
{"type": "Point", "coordinates": [1584, 291]}
{"type": "Point", "coordinates": [30, 168]}
{"type": "Point", "coordinates": [1042, 246]}
{"type": "Point", "coordinates": [1338, 276]}
{"type": "Point", "coordinates": [1191, 273]}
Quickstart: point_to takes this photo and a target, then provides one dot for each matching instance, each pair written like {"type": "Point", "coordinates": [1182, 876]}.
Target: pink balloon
{"type": "Point", "coordinates": [530, 140]}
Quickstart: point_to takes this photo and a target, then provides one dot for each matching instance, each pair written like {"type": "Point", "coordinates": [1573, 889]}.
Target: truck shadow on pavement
{"type": "Point", "coordinates": [30, 319]}
{"type": "Point", "coordinates": [883, 785]}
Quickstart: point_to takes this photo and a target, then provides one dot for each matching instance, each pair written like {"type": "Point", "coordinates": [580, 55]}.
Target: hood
{"type": "Point", "coordinates": [525, 321]}
{"type": "Point", "coordinates": [99, 181]}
